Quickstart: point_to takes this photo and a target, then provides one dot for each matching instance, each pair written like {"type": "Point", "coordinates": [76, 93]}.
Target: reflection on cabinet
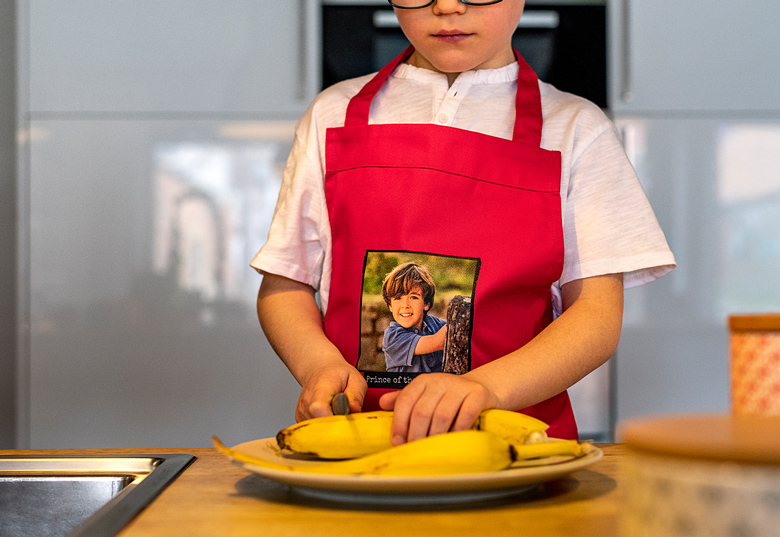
{"type": "Point", "coordinates": [694, 55]}
{"type": "Point", "coordinates": [715, 187]}
{"type": "Point", "coordinates": [158, 131]}
{"type": "Point", "coordinates": [143, 329]}
{"type": "Point", "coordinates": [172, 56]}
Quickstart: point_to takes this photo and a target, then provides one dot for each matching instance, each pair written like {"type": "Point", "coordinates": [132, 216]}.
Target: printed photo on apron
{"type": "Point", "coordinates": [416, 316]}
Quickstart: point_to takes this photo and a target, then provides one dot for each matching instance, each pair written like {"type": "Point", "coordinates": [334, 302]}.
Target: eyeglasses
{"type": "Point", "coordinates": [417, 4]}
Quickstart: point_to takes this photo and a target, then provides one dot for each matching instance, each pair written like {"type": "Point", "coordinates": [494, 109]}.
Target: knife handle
{"type": "Point", "coordinates": [340, 404]}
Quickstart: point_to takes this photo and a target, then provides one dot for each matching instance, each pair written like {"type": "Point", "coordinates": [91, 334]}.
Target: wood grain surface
{"type": "Point", "coordinates": [215, 497]}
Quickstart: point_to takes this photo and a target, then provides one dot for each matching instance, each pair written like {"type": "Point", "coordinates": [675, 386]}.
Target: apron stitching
{"type": "Point", "coordinates": [525, 189]}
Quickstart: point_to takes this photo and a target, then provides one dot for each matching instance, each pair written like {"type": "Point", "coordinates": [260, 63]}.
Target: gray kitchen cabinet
{"type": "Point", "coordinates": [172, 56]}
{"type": "Point", "coordinates": [142, 323]}
{"type": "Point", "coordinates": [694, 55]}
{"type": "Point", "coordinates": [694, 87]}
{"type": "Point", "coordinates": [155, 133]}
{"type": "Point", "coordinates": [715, 187]}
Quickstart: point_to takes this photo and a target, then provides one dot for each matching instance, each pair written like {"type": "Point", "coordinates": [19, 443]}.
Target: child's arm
{"type": "Point", "coordinates": [581, 339]}
{"type": "Point", "coordinates": [292, 323]}
{"type": "Point", "coordinates": [432, 343]}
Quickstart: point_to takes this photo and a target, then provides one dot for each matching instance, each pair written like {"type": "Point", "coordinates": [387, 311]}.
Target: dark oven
{"type": "Point", "coordinates": [564, 41]}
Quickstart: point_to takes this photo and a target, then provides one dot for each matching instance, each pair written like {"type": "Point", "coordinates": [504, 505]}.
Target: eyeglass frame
{"type": "Point", "coordinates": [468, 3]}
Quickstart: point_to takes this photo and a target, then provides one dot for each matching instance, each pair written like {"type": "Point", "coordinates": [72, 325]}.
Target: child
{"type": "Point", "coordinates": [457, 149]}
{"type": "Point", "coordinates": [414, 341]}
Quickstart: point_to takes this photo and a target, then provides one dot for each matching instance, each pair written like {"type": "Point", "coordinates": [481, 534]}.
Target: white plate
{"type": "Point", "coordinates": [520, 477]}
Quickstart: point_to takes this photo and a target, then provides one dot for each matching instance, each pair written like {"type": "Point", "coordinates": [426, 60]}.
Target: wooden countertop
{"type": "Point", "coordinates": [215, 497]}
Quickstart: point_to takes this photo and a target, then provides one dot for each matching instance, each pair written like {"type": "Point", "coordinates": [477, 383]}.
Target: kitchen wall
{"type": "Point", "coordinates": [7, 224]}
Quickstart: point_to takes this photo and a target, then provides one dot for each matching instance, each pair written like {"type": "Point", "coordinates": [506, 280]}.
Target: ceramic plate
{"type": "Point", "coordinates": [520, 477]}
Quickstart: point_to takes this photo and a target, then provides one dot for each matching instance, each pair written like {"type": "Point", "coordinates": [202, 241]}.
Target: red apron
{"type": "Point", "coordinates": [450, 192]}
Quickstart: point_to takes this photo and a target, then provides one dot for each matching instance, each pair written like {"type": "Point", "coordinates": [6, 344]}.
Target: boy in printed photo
{"type": "Point", "coordinates": [414, 341]}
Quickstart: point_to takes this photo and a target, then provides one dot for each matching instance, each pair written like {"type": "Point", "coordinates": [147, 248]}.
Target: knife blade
{"type": "Point", "coordinates": [340, 404]}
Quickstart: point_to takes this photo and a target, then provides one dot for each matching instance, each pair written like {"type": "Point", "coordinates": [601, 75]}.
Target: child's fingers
{"type": "Point", "coordinates": [460, 404]}
{"type": "Point", "coordinates": [402, 410]}
{"type": "Point", "coordinates": [356, 392]}
{"type": "Point", "coordinates": [437, 404]}
{"type": "Point", "coordinates": [317, 404]}
{"type": "Point", "coordinates": [315, 398]}
{"type": "Point", "coordinates": [470, 407]}
{"type": "Point", "coordinates": [387, 400]}
{"type": "Point", "coordinates": [319, 409]}
{"type": "Point", "coordinates": [426, 415]}
{"type": "Point", "coordinates": [415, 408]}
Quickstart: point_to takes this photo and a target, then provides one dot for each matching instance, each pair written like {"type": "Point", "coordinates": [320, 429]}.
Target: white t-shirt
{"type": "Point", "coordinates": [609, 226]}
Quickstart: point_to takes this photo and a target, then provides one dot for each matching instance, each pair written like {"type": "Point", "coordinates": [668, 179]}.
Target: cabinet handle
{"type": "Point", "coordinates": [626, 90]}
{"type": "Point", "coordinates": [540, 20]}
{"type": "Point", "coordinates": [385, 19]}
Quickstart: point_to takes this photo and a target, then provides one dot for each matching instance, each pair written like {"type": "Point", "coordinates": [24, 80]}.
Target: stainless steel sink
{"type": "Point", "coordinates": [81, 496]}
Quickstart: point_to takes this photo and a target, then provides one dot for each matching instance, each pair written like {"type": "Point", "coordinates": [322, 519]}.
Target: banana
{"type": "Point", "coordinates": [512, 426]}
{"type": "Point", "coordinates": [450, 453]}
{"type": "Point", "coordinates": [339, 437]}
{"type": "Point", "coordinates": [356, 435]}
{"type": "Point", "coordinates": [552, 448]}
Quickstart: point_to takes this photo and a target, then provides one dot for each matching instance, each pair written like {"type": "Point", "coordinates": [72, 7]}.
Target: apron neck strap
{"type": "Point", "coordinates": [528, 102]}
{"type": "Point", "coordinates": [528, 106]}
{"type": "Point", "coordinates": [359, 105]}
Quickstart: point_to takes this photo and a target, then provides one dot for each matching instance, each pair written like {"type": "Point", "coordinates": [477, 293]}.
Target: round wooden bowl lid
{"type": "Point", "coordinates": [707, 436]}
{"type": "Point", "coordinates": [760, 322]}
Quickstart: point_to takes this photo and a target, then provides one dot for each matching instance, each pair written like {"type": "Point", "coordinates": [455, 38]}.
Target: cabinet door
{"type": "Point", "coordinates": [171, 56]}
{"type": "Point", "coordinates": [142, 323]}
{"type": "Point", "coordinates": [715, 188]}
{"type": "Point", "coordinates": [700, 55]}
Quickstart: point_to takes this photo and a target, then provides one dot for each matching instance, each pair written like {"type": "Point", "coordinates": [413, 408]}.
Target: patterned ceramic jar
{"type": "Point", "coordinates": [755, 364]}
{"type": "Point", "coordinates": [701, 476]}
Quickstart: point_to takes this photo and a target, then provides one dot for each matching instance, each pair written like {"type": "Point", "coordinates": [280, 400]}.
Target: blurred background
{"type": "Point", "coordinates": [141, 150]}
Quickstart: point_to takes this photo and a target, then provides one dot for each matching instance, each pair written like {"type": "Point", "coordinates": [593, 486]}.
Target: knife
{"type": "Point", "coordinates": [340, 404]}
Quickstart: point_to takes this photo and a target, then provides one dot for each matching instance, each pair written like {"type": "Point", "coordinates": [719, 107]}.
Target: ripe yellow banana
{"type": "Point", "coordinates": [449, 453]}
{"type": "Point", "coordinates": [339, 437]}
{"type": "Point", "coordinates": [513, 426]}
{"type": "Point", "coordinates": [363, 433]}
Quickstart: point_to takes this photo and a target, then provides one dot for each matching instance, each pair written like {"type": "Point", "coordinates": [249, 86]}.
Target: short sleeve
{"type": "Point", "coordinates": [609, 225]}
{"type": "Point", "coordinates": [399, 345]}
{"type": "Point", "coordinates": [296, 243]}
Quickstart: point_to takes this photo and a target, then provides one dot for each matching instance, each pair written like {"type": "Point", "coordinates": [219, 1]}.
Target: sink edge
{"type": "Point", "coordinates": [118, 512]}
{"type": "Point", "coordinates": [158, 471]}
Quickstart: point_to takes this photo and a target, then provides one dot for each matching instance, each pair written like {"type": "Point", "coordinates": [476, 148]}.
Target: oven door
{"type": "Point", "coordinates": [563, 41]}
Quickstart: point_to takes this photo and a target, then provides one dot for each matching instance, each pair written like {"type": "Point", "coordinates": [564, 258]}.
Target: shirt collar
{"type": "Point", "coordinates": [501, 75]}
{"type": "Point", "coordinates": [425, 326]}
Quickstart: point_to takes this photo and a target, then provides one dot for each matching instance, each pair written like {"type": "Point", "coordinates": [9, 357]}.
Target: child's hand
{"type": "Point", "coordinates": [435, 403]}
{"type": "Point", "coordinates": [323, 384]}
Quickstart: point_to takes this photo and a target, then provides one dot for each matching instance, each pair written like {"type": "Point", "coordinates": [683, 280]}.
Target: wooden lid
{"type": "Point", "coordinates": [759, 322]}
{"type": "Point", "coordinates": [707, 436]}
